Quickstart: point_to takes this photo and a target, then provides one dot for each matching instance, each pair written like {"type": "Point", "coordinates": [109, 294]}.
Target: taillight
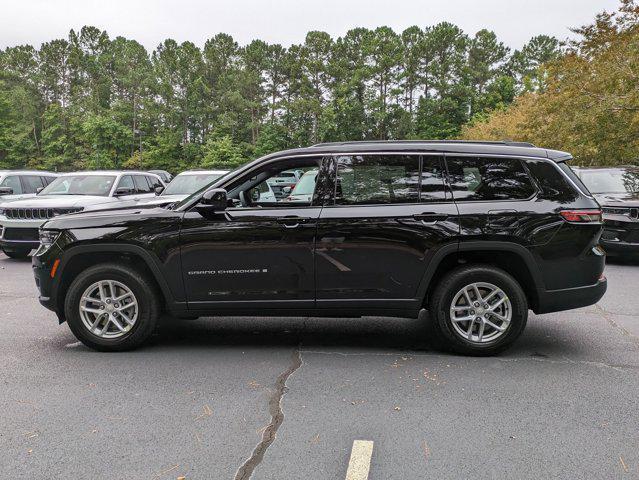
{"type": "Point", "coordinates": [581, 216]}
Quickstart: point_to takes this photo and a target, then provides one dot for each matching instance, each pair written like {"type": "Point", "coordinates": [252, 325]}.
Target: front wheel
{"type": "Point", "coordinates": [18, 253]}
{"type": "Point", "coordinates": [479, 310]}
{"type": "Point", "coordinates": [111, 307]}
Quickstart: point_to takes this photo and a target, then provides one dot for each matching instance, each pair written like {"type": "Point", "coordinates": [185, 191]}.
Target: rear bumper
{"type": "Point", "coordinates": [569, 298]}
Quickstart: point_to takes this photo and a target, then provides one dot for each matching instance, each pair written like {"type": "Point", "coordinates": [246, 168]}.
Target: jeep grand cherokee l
{"type": "Point", "coordinates": [71, 192]}
{"type": "Point", "coordinates": [476, 233]}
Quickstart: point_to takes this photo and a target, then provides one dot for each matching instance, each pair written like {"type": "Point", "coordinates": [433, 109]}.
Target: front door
{"type": "Point", "coordinates": [391, 213]}
{"type": "Point", "coordinates": [259, 253]}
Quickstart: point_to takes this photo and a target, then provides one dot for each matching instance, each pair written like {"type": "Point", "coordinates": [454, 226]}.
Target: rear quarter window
{"type": "Point", "coordinates": [488, 178]}
{"type": "Point", "coordinates": [552, 183]}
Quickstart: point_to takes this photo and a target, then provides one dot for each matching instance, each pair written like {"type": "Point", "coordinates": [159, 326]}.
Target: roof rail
{"type": "Point", "coordinates": [479, 142]}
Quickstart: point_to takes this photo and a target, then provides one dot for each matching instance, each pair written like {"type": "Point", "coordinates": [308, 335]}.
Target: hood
{"type": "Point", "coordinates": [162, 199]}
{"type": "Point", "coordinates": [108, 218]}
{"type": "Point", "coordinates": [618, 199]}
{"type": "Point", "coordinates": [60, 201]}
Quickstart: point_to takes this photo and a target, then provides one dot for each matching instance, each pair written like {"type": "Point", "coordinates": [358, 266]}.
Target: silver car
{"type": "Point", "coordinates": [17, 184]}
{"type": "Point", "coordinates": [69, 193]}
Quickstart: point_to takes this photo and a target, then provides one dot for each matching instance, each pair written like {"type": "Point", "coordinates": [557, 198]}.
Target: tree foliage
{"type": "Point", "coordinates": [91, 101]}
{"type": "Point", "coordinates": [586, 101]}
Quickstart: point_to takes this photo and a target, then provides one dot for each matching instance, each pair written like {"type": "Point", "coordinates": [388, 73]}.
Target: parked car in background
{"type": "Point", "coordinates": [303, 190]}
{"type": "Point", "coordinates": [68, 193]}
{"type": "Point", "coordinates": [477, 233]}
{"type": "Point", "coordinates": [163, 174]}
{"type": "Point", "coordinates": [285, 182]}
{"type": "Point", "coordinates": [183, 185]}
{"type": "Point", "coordinates": [16, 184]}
{"type": "Point", "coordinates": [617, 191]}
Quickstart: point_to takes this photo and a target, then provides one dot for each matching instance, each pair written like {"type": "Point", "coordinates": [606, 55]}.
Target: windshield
{"type": "Point", "coordinates": [306, 185]}
{"type": "Point", "coordinates": [188, 183]}
{"type": "Point", "coordinates": [99, 185]}
{"type": "Point", "coordinates": [611, 181]}
{"type": "Point", "coordinates": [204, 188]}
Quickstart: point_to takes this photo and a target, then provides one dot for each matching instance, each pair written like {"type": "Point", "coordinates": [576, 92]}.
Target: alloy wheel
{"type": "Point", "coordinates": [108, 309]}
{"type": "Point", "coordinates": [480, 312]}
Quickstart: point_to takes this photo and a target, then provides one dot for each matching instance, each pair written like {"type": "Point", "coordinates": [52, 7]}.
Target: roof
{"type": "Point", "coordinates": [434, 146]}
{"type": "Point", "coordinates": [28, 172]}
{"type": "Point", "coordinates": [203, 172]}
{"type": "Point", "coordinates": [108, 172]}
{"type": "Point", "coordinates": [605, 168]}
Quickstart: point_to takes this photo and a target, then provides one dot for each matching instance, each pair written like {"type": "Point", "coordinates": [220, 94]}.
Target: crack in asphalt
{"type": "Point", "coordinates": [277, 418]}
{"type": "Point", "coordinates": [607, 316]}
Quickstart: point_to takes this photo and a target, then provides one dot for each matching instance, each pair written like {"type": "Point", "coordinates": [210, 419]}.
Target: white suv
{"type": "Point", "coordinates": [16, 184]}
{"type": "Point", "coordinates": [69, 193]}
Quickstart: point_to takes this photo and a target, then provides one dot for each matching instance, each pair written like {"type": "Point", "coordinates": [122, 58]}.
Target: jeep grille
{"type": "Point", "coordinates": [37, 213]}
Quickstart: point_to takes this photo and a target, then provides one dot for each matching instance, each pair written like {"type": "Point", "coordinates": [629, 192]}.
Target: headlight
{"type": "Point", "coordinates": [47, 239]}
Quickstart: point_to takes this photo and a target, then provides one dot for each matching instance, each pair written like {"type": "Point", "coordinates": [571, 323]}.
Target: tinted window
{"type": "Point", "coordinates": [126, 182]}
{"type": "Point", "coordinates": [432, 187]}
{"type": "Point", "coordinates": [552, 183]}
{"type": "Point", "coordinates": [13, 182]}
{"type": "Point", "coordinates": [141, 185]}
{"type": "Point", "coordinates": [48, 180]}
{"type": "Point", "coordinates": [475, 178]}
{"type": "Point", "coordinates": [377, 179]}
{"type": "Point", "coordinates": [31, 183]}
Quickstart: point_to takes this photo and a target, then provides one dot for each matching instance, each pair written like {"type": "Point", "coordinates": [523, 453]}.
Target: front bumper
{"type": "Point", "coordinates": [19, 234]}
{"type": "Point", "coordinates": [569, 298]}
{"type": "Point", "coordinates": [620, 237]}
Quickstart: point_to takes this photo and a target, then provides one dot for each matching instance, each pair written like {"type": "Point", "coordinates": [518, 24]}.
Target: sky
{"type": "Point", "coordinates": [286, 21]}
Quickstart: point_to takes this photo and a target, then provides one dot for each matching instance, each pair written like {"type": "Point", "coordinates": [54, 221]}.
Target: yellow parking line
{"type": "Point", "coordinates": [360, 462]}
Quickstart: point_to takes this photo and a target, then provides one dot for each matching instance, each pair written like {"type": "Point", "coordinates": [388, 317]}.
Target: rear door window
{"type": "Point", "coordinates": [377, 179]}
{"type": "Point", "coordinates": [488, 178]}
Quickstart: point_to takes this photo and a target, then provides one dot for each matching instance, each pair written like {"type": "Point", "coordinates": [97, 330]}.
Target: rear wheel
{"type": "Point", "coordinates": [111, 307]}
{"type": "Point", "coordinates": [16, 252]}
{"type": "Point", "coordinates": [479, 310]}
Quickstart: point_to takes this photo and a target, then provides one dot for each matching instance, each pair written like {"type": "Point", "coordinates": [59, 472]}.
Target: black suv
{"type": "Point", "coordinates": [477, 233]}
{"type": "Point", "coordinates": [617, 190]}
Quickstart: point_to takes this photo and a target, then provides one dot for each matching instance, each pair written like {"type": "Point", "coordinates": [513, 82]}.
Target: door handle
{"type": "Point", "coordinates": [291, 222]}
{"type": "Point", "coordinates": [430, 218]}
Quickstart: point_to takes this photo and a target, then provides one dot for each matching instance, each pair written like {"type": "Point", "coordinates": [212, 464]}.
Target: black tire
{"type": "Point", "coordinates": [451, 284]}
{"type": "Point", "coordinates": [17, 253]}
{"type": "Point", "coordinates": [148, 301]}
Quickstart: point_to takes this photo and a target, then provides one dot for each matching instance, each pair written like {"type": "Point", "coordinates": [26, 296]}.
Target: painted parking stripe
{"type": "Point", "coordinates": [360, 462]}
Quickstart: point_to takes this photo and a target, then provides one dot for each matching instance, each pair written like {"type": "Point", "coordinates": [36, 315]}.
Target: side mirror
{"type": "Point", "coordinates": [39, 189]}
{"type": "Point", "coordinates": [159, 190]}
{"type": "Point", "coordinates": [6, 191]}
{"type": "Point", "coordinates": [122, 191]}
{"type": "Point", "coordinates": [287, 190]}
{"type": "Point", "coordinates": [213, 201]}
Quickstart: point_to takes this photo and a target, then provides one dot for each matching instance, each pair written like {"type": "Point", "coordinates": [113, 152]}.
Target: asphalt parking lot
{"type": "Point", "coordinates": [286, 398]}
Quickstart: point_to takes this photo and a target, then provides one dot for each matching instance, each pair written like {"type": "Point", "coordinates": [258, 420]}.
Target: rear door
{"type": "Point", "coordinates": [390, 214]}
{"type": "Point", "coordinates": [495, 196]}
